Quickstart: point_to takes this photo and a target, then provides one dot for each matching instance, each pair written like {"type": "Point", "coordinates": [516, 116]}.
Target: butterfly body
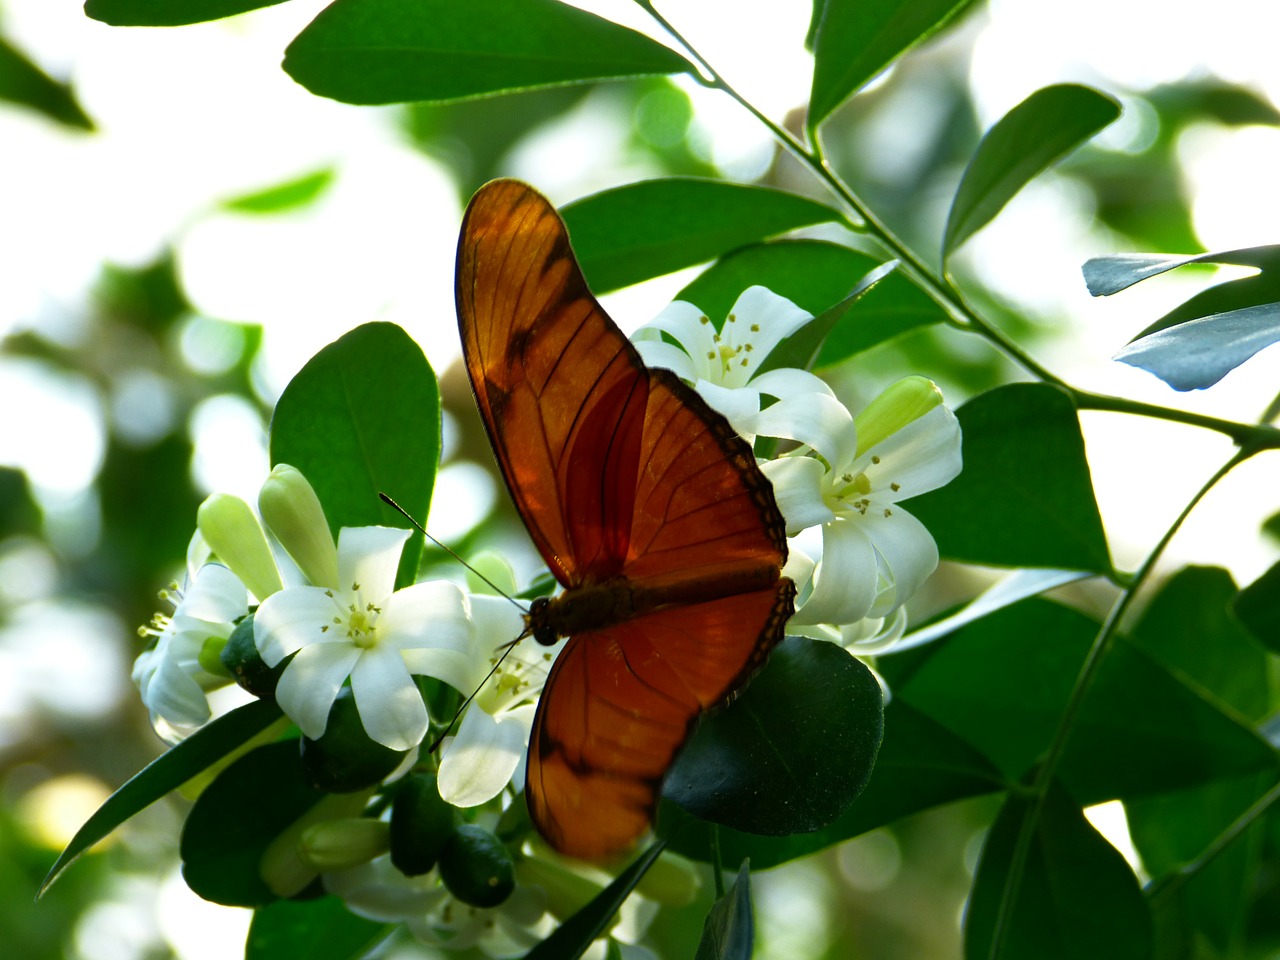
{"type": "Point", "coordinates": [647, 507]}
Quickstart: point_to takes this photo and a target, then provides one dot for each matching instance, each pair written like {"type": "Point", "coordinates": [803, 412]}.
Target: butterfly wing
{"type": "Point", "coordinates": [621, 474]}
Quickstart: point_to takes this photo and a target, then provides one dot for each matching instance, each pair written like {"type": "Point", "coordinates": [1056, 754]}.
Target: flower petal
{"type": "Point", "coordinates": [480, 760]}
{"type": "Point", "coordinates": [290, 619]}
{"type": "Point", "coordinates": [816, 420]}
{"type": "Point", "coordinates": [369, 556]}
{"type": "Point", "coordinates": [790, 381]}
{"type": "Point", "coordinates": [775, 316]}
{"type": "Point", "coordinates": [691, 329]}
{"type": "Point", "coordinates": [311, 682]}
{"type": "Point", "coordinates": [845, 584]}
{"type": "Point", "coordinates": [172, 693]}
{"type": "Point", "coordinates": [390, 706]}
{"type": "Point", "coordinates": [922, 456]}
{"type": "Point", "coordinates": [797, 487]}
{"type": "Point", "coordinates": [666, 356]}
{"type": "Point", "coordinates": [739, 405]}
{"type": "Point", "coordinates": [908, 552]}
{"type": "Point", "coordinates": [216, 595]}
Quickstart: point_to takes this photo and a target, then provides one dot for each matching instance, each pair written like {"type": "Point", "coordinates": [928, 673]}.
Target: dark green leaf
{"type": "Point", "coordinates": [394, 51]}
{"type": "Point", "coordinates": [321, 929]}
{"type": "Point", "coordinates": [1140, 731]}
{"type": "Point", "coordinates": [572, 937]}
{"type": "Point", "coordinates": [363, 418]}
{"type": "Point", "coordinates": [1029, 139]}
{"type": "Point", "coordinates": [921, 764]}
{"type": "Point", "coordinates": [289, 195]}
{"type": "Point", "coordinates": [792, 751]}
{"type": "Point", "coordinates": [650, 228]}
{"type": "Point", "coordinates": [817, 276]}
{"type": "Point", "coordinates": [167, 772]}
{"type": "Point", "coordinates": [1172, 830]}
{"type": "Point", "coordinates": [24, 83]}
{"type": "Point", "coordinates": [237, 817]}
{"type": "Point", "coordinates": [1197, 354]}
{"type": "Point", "coordinates": [730, 931]}
{"type": "Point", "coordinates": [857, 39]}
{"type": "Point", "coordinates": [1076, 897]}
{"type": "Point", "coordinates": [1189, 628]}
{"type": "Point", "coordinates": [1024, 498]}
{"type": "Point", "coordinates": [168, 13]}
{"type": "Point", "coordinates": [1111, 274]}
{"type": "Point", "coordinates": [1258, 608]}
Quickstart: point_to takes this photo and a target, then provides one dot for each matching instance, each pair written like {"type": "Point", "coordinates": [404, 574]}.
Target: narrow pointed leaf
{"type": "Point", "coordinates": [766, 764]}
{"type": "Point", "coordinates": [1076, 896]}
{"type": "Point", "coordinates": [1262, 287]}
{"type": "Point", "coordinates": [1111, 274]}
{"type": "Point", "coordinates": [1197, 354]}
{"type": "Point", "coordinates": [168, 13]}
{"type": "Point", "coordinates": [571, 939]}
{"type": "Point", "coordinates": [650, 228]}
{"type": "Point", "coordinates": [729, 931]}
{"type": "Point", "coordinates": [289, 195]}
{"type": "Point", "coordinates": [1028, 140]}
{"type": "Point", "coordinates": [167, 772]}
{"type": "Point", "coordinates": [24, 83]}
{"type": "Point", "coordinates": [1025, 497]}
{"type": "Point", "coordinates": [395, 51]}
{"type": "Point", "coordinates": [857, 39]}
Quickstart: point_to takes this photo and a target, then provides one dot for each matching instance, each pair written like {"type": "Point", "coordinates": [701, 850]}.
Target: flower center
{"type": "Point", "coordinates": [358, 622]}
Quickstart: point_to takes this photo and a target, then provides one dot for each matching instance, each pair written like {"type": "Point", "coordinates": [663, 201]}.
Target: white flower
{"type": "Point", "coordinates": [365, 630]}
{"type": "Point", "coordinates": [488, 750]}
{"type": "Point", "coordinates": [723, 366]}
{"type": "Point", "coordinates": [874, 553]}
{"type": "Point", "coordinates": [173, 675]}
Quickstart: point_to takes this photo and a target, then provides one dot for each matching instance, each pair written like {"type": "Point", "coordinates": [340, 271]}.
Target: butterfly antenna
{"type": "Point", "coordinates": [435, 744]}
{"type": "Point", "coordinates": [423, 530]}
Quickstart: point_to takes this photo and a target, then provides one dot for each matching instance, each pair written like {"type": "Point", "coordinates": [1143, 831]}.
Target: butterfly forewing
{"type": "Point", "coordinates": [637, 494]}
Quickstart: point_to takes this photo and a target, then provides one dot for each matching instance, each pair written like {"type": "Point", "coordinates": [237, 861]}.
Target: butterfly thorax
{"type": "Point", "coordinates": [594, 606]}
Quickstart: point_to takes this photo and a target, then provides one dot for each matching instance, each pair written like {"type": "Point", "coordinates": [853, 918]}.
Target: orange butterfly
{"type": "Point", "coordinates": [646, 506]}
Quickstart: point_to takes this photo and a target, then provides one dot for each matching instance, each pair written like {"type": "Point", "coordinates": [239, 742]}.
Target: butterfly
{"type": "Point", "coordinates": [647, 508]}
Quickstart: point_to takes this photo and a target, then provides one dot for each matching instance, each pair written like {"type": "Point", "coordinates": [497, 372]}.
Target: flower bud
{"type": "Point", "coordinates": [899, 404]}
{"type": "Point", "coordinates": [293, 513]}
{"type": "Point", "coordinates": [495, 568]}
{"type": "Point", "coordinates": [235, 536]}
{"type": "Point", "coordinates": [567, 889]}
{"type": "Point", "coordinates": [283, 867]}
{"type": "Point", "coordinates": [339, 844]}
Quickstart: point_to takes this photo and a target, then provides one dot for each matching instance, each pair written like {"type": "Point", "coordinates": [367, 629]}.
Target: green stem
{"type": "Point", "coordinates": [1102, 644]}
{"type": "Point", "coordinates": [960, 313]}
{"type": "Point", "coordinates": [1171, 883]}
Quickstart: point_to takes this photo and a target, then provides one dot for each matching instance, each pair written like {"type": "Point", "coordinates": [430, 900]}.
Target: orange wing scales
{"type": "Point", "coordinates": [645, 505]}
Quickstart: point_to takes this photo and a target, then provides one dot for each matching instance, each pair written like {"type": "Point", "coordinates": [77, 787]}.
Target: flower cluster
{"type": "Point", "coordinates": [843, 475]}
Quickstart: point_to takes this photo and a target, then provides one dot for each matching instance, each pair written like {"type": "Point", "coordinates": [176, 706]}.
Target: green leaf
{"type": "Point", "coordinates": [1189, 628]}
{"type": "Point", "coordinates": [289, 195]}
{"type": "Point", "coordinates": [857, 39]}
{"type": "Point", "coordinates": [1024, 498]}
{"type": "Point", "coordinates": [1263, 287]}
{"type": "Point", "coordinates": [571, 939]}
{"type": "Point", "coordinates": [1197, 354]}
{"type": "Point", "coordinates": [767, 764]}
{"type": "Point", "coordinates": [817, 276]}
{"type": "Point", "coordinates": [237, 817]}
{"type": "Point", "coordinates": [1111, 274]}
{"type": "Point", "coordinates": [321, 929]}
{"type": "Point", "coordinates": [167, 772]}
{"type": "Point", "coordinates": [1172, 830]}
{"type": "Point", "coordinates": [394, 51]}
{"type": "Point", "coordinates": [363, 418]}
{"type": "Point", "coordinates": [1258, 608]}
{"type": "Point", "coordinates": [24, 83]}
{"type": "Point", "coordinates": [168, 13]}
{"type": "Point", "coordinates": [647, 229]}
{"type": "Point", "coordinates": [921, 764]}
{"type": "Point", "coordinates": [1076, 897]}
{"type": "Point", "coordinates": [1140, 731]}
{"type": "Point", "coordinates": [729, 932]}
{"type": "Point", "coordinates": [1029, 139]}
